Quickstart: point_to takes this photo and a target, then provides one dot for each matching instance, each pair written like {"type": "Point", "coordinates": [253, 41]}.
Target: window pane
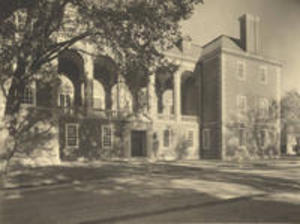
{"type": "Point", "coordinates": [107, 136]}
{"type": "Point", "coordinates": [27, 96]}
{"type": "Point", "coordinates": [72, 135]}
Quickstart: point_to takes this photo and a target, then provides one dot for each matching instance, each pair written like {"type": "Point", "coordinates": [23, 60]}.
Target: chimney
{"type": "Point", "coordinates": [249, 33]}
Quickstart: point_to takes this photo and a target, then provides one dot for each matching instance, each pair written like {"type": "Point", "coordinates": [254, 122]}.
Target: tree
{"type": "Point", "coordinates": [33, 33]}
{"type": "Point", "coordinates": [290, 117]}
{"type": "Point", "coordinates": [253, 133]}
{"type": "Point", "coordinates": [290, 106]}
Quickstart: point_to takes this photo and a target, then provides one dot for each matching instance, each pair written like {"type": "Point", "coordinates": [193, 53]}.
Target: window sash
{"type": "Point", "coordinates": [72, 135]}
{"type": "Point", "coordinates": [107, 136]}
{"type": "Point", "coordinates": [28, 96]}
{"type": "Point", "coordinates": [64, 100]}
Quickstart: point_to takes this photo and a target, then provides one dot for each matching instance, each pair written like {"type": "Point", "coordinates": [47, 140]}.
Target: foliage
{"type": "Point", "coordinates": [258, 132]}
{"type": "Point", "coordinates": [290, 106]}
{"type": "Point", "coordinates": [33, 33]}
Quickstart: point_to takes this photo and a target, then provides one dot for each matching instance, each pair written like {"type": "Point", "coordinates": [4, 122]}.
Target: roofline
{"type": "Point", "coordinates": [213, 40]}
{"type": "Point", "coordinates": [183, 57]}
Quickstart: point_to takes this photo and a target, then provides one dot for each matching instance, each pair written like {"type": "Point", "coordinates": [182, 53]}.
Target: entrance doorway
{"type": "Point", "coordinates": [138, 144]}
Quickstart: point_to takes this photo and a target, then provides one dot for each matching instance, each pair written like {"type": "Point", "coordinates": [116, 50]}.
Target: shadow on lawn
{"type": "Point", "coordinates": [125, 191]}
{"type": "Point", "coordinates": [110, 170]}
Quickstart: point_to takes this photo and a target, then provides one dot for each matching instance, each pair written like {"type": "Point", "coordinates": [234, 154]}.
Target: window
{"type": "Point", "coordinates": [206, 138]}
{"type": "Point", "coordinates": [65, 92]}
{"type": "Point", "coordinates": [242, 136]}
{"type": "Point", "coordinates": [64, 100]}
{"type": "Point", "coordinates": [242, 104]}
{"type": "Point", "coordinates": [98, 95]}
{"type": "Point", "coordinates": [167, 138]}
{"type": "Point", "coordinates": [263, 107]}
{"type": "Point", "coordinates": [262, 138]}
{"type": "Point", "coordinates": [168, 102]}
{"type": "Point", "coordinates": [107, 136]}
{"type": "Point", "coordinates": [241, 70]}
{"type": "Point", "coordinates": [190, 138]}
{"type": "Point", "coordinates": [72, 135]}
{"type": "Point", "coordinates": [28, 96]}
{"type": "Point", "coordinates": [263, 77]}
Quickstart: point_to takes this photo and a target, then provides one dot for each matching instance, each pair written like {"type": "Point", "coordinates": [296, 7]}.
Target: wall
{"type": "Point", "coordinates": [178, 148]}
{"type": "Point", "coordinates": [210, 92]}
{"type": "Point", "coordinates": [254, 90]}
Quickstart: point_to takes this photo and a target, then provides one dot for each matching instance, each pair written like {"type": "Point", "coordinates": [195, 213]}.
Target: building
{"type": "Point", "coordinates": [238, 84]}
{"type": "Point", "coordinates": [179, 116]}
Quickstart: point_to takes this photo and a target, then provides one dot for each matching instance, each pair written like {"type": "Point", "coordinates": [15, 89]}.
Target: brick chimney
{"type": "Point", "coordinates": [249, 33]}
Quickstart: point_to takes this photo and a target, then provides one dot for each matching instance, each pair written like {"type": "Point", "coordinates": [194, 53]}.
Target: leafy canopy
{"type": "Point", "coordinates": [134, 32]}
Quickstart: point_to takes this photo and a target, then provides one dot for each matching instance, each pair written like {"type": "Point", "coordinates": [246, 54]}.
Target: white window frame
{"type": "Point", "coordinates": [263, 70]}
{"type": "Point", "coordinates": [243, 64]}
{"type": "Point", "coordinates": [103, 127]}
{"type": "Point", "coordinates": [206, 138]}
{"type": "Point", "coordinates": [31, 87]}
{"type": "Point", "coordinates": [67, 136]}
{"type": "Point", "coordinates": [241, 99]}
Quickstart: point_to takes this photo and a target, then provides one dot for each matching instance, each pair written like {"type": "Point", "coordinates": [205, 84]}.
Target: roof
{"type": "Point", "coordinates": [223, 41]}
{"type": "Point", "coordinates": [188, 50]}
{"type": "Point", "coordinates": [192, 52]}
{"type": "Point", "coordinates": [234, 45]}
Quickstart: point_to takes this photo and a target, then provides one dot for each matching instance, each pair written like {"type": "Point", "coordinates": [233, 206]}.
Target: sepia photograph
{"type": "Point", "coordinates": [149, 111]}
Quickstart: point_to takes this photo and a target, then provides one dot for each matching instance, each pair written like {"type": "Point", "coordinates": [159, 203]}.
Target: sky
{"type": "Point", "coordinates": [279, 27]}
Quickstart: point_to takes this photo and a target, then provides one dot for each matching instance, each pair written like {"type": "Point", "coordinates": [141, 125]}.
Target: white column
{"type": "Point", "coordinates": [152, 99]}
{"type": "Point", "coordinates": [177, 95]}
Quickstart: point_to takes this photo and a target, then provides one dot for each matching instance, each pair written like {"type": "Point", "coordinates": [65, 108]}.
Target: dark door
{"type": "Point", "coordinates": [138, 144]}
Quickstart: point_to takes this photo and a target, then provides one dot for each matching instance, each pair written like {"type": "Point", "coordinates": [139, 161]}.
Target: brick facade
{"type": "Point", "coordinates": [192, 122]}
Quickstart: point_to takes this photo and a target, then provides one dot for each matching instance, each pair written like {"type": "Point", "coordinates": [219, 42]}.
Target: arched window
{"type": "Point", "coordinates": [98, 95]}
{"type": "Point", "coordinates": [65, 92]}
{"type": "Point", "coordinates": [121, 97]}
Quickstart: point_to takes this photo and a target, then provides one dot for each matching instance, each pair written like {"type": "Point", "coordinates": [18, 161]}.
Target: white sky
{"type": "Point", "coordinates": [280, 29]}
